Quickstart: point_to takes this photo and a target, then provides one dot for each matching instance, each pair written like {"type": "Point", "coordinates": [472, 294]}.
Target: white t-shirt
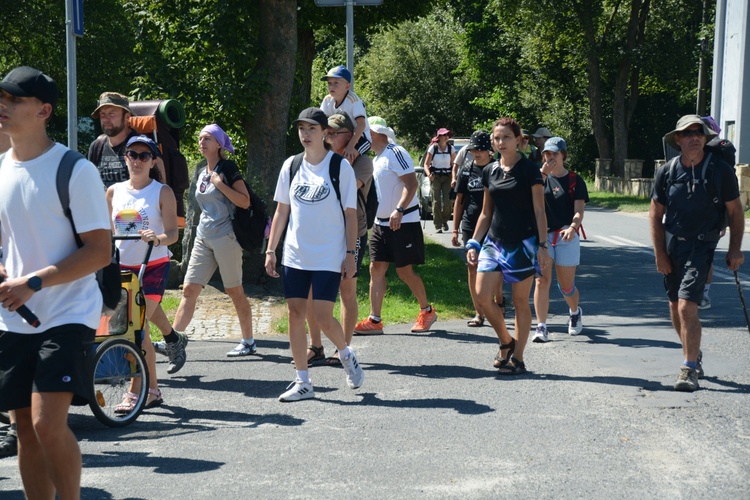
{"type": "Point", "coordinates": [136, 210]}
{"type": "Point", "coordinates": [441, 159]}
{"type": "Point", "coordinates": [388, 167]}
{"type": "Point", "coordinates": [36, 234]}
{"type": "Point", "coordinates": [316, 234]}
{"type": "Point", "coordinates": [352, 106]}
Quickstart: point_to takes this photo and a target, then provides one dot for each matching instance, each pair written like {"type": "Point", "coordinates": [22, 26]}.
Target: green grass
{"type": "Point", "coordinates": [169, 304]}
{"type": "Point", "coordinates": [619, 202]}
{"type": "Point", "coordinates": [445, 280]}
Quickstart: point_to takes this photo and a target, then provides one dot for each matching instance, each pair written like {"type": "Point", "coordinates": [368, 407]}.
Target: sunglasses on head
{"type": "Point", "coordinates": [143, 156]}
{"type": "Point", "coordinates": [204, 183]}
{"type": "Point", "coordinates": [692, 132]}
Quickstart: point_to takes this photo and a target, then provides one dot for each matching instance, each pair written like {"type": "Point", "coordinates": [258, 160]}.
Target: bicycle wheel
{"type": "Point", "coordinates": [116, 364]}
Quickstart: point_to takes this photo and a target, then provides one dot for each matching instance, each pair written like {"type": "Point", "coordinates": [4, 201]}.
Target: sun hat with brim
{"type": "Point", "coordinates": [555, 145]}
{"type": "Point", "coordinates": [444, 131]}
{"type": "Point", "coordinates": [542, 132]}
{"type": "Point", "coordinates": [315, 116]}
{"type": "Point", "coordinates": [339, 121]}
{"type": "Point", "coordinates": [683, 124]}
{"type": "Point", "coordinates": [378, 125]}
{"type": "Point", "coordinates": [111, 99]}
{"type": "Point", "coordinates": [142, 139]}
{"type": "Point", "coordinates": [479, 141]}
{"type": "Point", "coordinates": [25, 81]}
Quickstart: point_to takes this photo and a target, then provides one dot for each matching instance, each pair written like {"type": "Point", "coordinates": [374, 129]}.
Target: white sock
{"type": "Point", "coordinates": [249, 341]}
{"type": "Point", "coordinates": [303, 375]}
{"type": "Point", "coordinates": [345, 353]}
{"type": "Point", "coordinates": [706, 289]}
{"type": "Point", "coordinates": [544, 325]}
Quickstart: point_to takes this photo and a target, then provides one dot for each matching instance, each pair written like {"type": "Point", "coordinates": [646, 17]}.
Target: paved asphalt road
{"type": "Point", "coordinates": [595, 418]}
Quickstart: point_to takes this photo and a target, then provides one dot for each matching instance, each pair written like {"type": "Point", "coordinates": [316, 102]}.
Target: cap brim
{"type": "Point", "coordinates": [95, 114]}
{"type": "Point", "coordinates": [14, 89]}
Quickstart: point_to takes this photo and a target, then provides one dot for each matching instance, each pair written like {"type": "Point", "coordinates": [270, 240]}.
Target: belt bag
{"type": "Point", "coordinates": [407, 211]}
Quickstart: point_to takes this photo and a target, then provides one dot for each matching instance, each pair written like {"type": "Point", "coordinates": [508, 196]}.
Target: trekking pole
{"type": "Point", "coordinates": [742, 299]}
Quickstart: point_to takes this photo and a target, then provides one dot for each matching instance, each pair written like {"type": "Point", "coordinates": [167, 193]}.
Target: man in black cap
{"type": "Point", "coordinates": [107, 152]}
{"type": "Point", "coordinates": [43, 269]}
{"type": "Point", "coordinates": [691, 195]}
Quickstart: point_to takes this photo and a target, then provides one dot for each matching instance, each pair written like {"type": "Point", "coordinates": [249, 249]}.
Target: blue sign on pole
{"type": "Point", "coordinates": [78, 17]}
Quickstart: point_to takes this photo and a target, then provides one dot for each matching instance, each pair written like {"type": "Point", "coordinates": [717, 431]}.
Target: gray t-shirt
{"type": "Point", "coordinates": [216, 209]}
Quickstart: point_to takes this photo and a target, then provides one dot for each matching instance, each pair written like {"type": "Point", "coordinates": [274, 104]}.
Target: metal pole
{"type": "Point", "coordinates": [350, 36]}
{"type": "Point", "coordinates": [700, 105]}
{"type": "Point", "coordinates": [718, 73]}
{"type": "Point", "coordinates": [70, 45]}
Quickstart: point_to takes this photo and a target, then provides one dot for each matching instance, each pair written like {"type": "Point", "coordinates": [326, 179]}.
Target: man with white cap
{"type": "Point", "coordinates": [396, 235]}
{"type": "Point", "coordinates": [691, 195]}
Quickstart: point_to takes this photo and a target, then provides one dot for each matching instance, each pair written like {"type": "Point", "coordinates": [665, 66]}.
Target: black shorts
{"type": "Point", "coordinates": [52, 361]}
{"type": "Point", "coordinates": [404, 247]}
{"type": "Point", "coordinates": [691, 261]}
{"type": "Point", "coordinates": [361, 245]}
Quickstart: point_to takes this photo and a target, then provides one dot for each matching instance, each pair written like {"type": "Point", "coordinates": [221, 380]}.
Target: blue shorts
{"type": "Point", "coordinates": [564, 253]}
{"type": "Point", "coordinates": [297, 282]}
{"type": "Point", "coordinates": [517, 261]}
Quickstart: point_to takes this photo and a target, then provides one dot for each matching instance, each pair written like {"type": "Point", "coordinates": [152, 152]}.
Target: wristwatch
{"type": "Point", "coordinates": [400, 210]}
{"type": "Point", "coordinates": [34, 282]}
{"type": "Point", "coordinates": [544, 245]}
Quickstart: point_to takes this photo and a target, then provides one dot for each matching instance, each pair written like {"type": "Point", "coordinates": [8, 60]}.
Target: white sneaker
{"type": "Point", "coordinates": [541, 335]}
{"type": "Point", "coordinates": [355, 376]}
{"type": "Point", "coordinates": [243, 349]}
{"type": "Point", "coordinates": [575, 323]}
{"type": "Point", "coordinates": [298, 390]}
{"type": "Point", "coordinates": [705, 303]}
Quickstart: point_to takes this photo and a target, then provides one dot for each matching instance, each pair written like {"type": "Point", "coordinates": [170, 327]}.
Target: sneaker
{"type": "Point", "coordinates": [699, 368]}
{"type": "Point", "coordinates": [9, 444]}
{"type": "Point", "coordinates": [541, 336]}
{"type": "Point", "coordinates": [355, 376]}
{"type": "Point", "coordinates": [424, 321]}
{"type": "Point", "coordinates": [177, 356]}
{"type": "Point", "coordinates": [687, 380]}
{"type": "Point", "coordinates": [439, 230]}
{"type": "Point", "coordinates": [575, 323]}
{"type": "Point", "coordinates": [298, 390]}
{"type": "Point", "coordinates": [161, 346]}
{"type": "Point", "coordinates": [705, 303]}
{"type": "Point", "coordinates": [243, 349]}
{"type": "Point", "coordinates": [368, 327]}
{"type": "Point", "coordinates": [445, 227]}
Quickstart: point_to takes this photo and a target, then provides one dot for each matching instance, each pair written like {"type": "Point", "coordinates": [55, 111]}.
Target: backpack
{"type": "Point", "coordinates": [371, 204]}
{"type": "Point", "coordinates": [249, 223]}
{"type": "Point", "coordinates": [108, 277]}
{"type": "Point", "coordinates": [149, 122]}
{"type": "Point", "coordinates": [334, 169]}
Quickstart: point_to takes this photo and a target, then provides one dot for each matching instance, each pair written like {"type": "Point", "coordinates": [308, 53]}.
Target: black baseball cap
{"type": "Point", "coordinates": [316, 116]}
{"type": "Point", "coordinates": [26, 81]}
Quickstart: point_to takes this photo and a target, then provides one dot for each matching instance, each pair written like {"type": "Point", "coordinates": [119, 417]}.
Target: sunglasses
{"type": "Point", "coordinates": [204, 183]}
{"type": "Point", "coordinates": [134, 155]}
{"type": "Point", "coordinates": [692, 132]}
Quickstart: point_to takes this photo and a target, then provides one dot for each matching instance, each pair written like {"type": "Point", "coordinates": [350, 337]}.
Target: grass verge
{"type": "Point", "coordinates": [619, 202]}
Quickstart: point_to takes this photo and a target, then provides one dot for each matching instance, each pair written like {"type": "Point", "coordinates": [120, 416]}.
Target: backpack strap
{"type": "Point", "coordinates": [97, 148]}
{"type": "Point", "coordinates": [572, 181]}
{"type": "Point", "coordinates": [64, 172]}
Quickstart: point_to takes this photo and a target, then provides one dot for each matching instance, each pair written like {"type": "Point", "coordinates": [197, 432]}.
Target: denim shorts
{"type": "Point", "coordinates": [564, 253]}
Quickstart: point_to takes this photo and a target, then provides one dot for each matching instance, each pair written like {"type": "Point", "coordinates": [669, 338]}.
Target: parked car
{"type": "Point", "coordinates": [423, 192]}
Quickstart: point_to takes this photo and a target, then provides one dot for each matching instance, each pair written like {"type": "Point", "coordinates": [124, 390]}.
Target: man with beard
{"type": "Point", "coordinates": [107, 152]}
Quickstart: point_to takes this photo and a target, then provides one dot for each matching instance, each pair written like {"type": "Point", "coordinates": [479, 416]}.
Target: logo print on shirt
{"type": "Point", "coordinates": [475, 184]}
{"type": "Point", "coordinates": [128, 221]}
{"type": "Point", "coordinates": [311, 193]}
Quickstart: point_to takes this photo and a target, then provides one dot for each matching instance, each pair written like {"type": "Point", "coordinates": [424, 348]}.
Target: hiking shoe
{"type": "Point", "coordinates": [575, 323]}
{"type": "Point", "coordinates": [355, 376]}
{"type": "Point", "coordinates": [177, 356]}
{"type": "Point", "coordinates": [541, 336]}
{"type": "Point", "coordinates": [298, 390]}
{"type": "Point", "coordinates": [424, 321]}
{"type": "Point", "coordinates": [9, 444]}
{"type": "Point", "coordinates": [699, 368]}
{"type": "Point", "coordinates": [368, 327]}
{"type": "Point", "coordinates": [705, 303]}
{"type": "Point", "coordinates": [161, 346]}
{"type": "Point", "coordinates": [445, 227]}
{"type": "Point", "coordinates": [243, 349]}
{"type": "Point", "coordinates": [687, 380]}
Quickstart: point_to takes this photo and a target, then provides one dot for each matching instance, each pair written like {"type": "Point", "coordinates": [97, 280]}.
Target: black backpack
{"type": "Point", "coordinates": [108, 278]}
{"type": "Point", "coordinates": [334, 169]}
{"type": "Point", "coordinates": [249, 223]}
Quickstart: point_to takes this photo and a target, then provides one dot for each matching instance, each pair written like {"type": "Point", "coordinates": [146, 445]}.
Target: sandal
{"type": "Point", "coordinates": [515, 367]}
{"type": "Point", "coordinates": [477, 320]}
{"type": "Point", "coordinates": [128, 404]}
{"type": "Point", "coordinates": [333, 360]}
{"type": "Point", "coordinates": [154, 399]}
{"type": "Point", "coordinates": [501, 361]}
{"type": "Point", "coordinates": [318, 356]}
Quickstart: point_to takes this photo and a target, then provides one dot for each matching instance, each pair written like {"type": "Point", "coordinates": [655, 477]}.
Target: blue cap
{"type": "Point", "coordinates": [339, 72]}
{"type": "Point", "coordinates": [555, 144]}
{"type": "Point", "coordinates": [144, 140]}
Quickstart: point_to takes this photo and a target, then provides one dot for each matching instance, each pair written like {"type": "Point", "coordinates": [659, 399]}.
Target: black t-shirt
{"type": "Point", "coordinates": [558, 204]}
{"type": "Point", "coordinates": [111, 164]}
{"type": "Point", "coordinates": [690, 211]}
{"type": "Point", "coordinates": [469, 184]}
{"type": "Point", "coordinates": [513, 219]}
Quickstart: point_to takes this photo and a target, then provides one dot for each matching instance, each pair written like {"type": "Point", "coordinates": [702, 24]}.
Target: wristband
{"type": "Point", "coordinates": [270, 252]}
{"type": "Point", "coordinates": [473, 244]}
{"type": "Point", "coordinates": [352, 252]}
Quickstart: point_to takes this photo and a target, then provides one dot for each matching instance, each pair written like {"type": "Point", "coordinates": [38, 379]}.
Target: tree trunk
{"type": "Point", "coordinates": [266, 126]}
{"type": "Point", "coordinates": [305, 57]}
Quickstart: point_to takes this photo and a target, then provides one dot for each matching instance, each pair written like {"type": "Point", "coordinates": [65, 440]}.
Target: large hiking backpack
{"type": "Point", "coordinates": [162, 121]}
{"type": "Point", "coordinates": [250, 223]}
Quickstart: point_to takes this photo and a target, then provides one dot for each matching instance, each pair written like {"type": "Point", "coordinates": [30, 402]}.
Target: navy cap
{"type": "Point", "coordinates": [144, 140]}
{"type": "Point", "coordinates": [339, 72]}
{"type": "Point", "coordinates": [555, 144]}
